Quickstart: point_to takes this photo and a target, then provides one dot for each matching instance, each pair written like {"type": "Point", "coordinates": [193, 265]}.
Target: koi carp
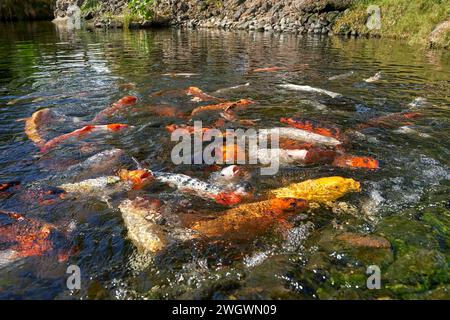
{"type": "Point", "coordinates": [167, 111]}
{"type": "Point", "coordinates": [296, 156]}
{"type": "Point", "coordinates": [125, 102]}
{"type": "Point", "coordinates": [33, 125]}
{"type": "Point", "coordinates": [199, 95]}
{"type": "Point", "coordinates": [203, 189]}
{"type": "Point", "coordinates": [233, 88]}
{"type": "Point", "coordinates": [80, 133]}
{"type": "Point", "coordinates": [313, 126]}
{"type": "Point", "coordinates": [342, 76]}
{"type": "Point", "coordinates": [310, 89]}
{"type": "Point", "coordinates": [346, 161]}
{"type": "Point", "coordinates": [140, 218]}
{"type": "Point", "coordinates": [181, 75]}
{"type": "Point", "coordinates": [374, 78]}
{"type": "Point", "coordinates": [249, 220]}
{"type": "Point", "coordinates": [393, 120]}
{"type": "Point", "coordinates": [306, 136]}
{"type": "Point", "coordinates": [28, 237]}
{"type": "Point", "coordinates": [225, 106]}
{"type": "Point", "coordinates": [322, 190]}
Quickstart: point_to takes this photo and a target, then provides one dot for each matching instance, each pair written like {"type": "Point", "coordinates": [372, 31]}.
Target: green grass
{"type": "Point", "coordinates": [412, 20]}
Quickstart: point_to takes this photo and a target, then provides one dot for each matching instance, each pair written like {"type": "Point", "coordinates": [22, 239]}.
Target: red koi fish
{"type": "Point", "coordinates": [79, 133]}
{"type": "Point", "coordinates": [313, 126]}
{"type": "Point", "coordinates": [199, 95]}
{"type": "Point", "coordinates": [347, 161]}
{"type": "Point", "coordinates": [126, 101]}
{"type": "Point", "coordinates": [393, 120]}
{"type": "Point", "coordinates": [224, 106]}
{"type": "Point", "coordinates": [28, 238]}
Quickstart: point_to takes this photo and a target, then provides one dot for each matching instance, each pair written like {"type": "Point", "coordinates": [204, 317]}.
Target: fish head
{"type": "Point", "coordinates": [288, 204]}
{"type": "Point", "coordinates": [117, 126]}
{"type": "Point", "coordinates": [139, 178]}
{"type": "Point", "coordinates": [356, 162]}
{"type": "Point", "coordinates": [230, 171]}
{"type": "Point", "coordinates": [128, 100]}
{"type": "Point", "coordinates": [193, 90]}
{"type": "Point", "coordinates": [342, 185]}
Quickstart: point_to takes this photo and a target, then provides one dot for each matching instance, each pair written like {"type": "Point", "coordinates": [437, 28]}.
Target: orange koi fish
{"type": "Point", "coordinates": [126, 101]}
{"type": "Point", "coordinates": [199, 95]}
{"type": "Point", "coordinates": [167, 111]}
{"type": "Point", "coordinates": [79, 133]}
{"type": "Point", "coordinates": [224, 106]}
{"type": "Point", "coordinates": [34, 123]}
{"type": "Point", "coordinates": [189, 129]}
{"type": "Point", "coordinates": [138, 178]}
{"type": "Point", "coordinates": [249, 220]}
{"type": "Point", "coordinates": [346, 161]}
{"type": "Point", "coordinates": [313, 126]}
{"type": "Point", "coordinates": [393, 120]}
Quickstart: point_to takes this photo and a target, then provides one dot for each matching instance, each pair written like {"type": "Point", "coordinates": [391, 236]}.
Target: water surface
{"type": "Point", "coordinates": [80, 73]}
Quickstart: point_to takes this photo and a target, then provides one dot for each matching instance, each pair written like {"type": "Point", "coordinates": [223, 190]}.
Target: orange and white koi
{"type": "Point", "coordinates": [199, 95]}
{"type": "Point", "coordinates": [80, 133]}
{"type": "Point", "coordinates": [224, 106]}
{"type": "Point", "coordinates": [296, 156]}
{"type": "Point", "coordinates": [313, 126]}
{"type": "Point", "coordinates": [126, 101]}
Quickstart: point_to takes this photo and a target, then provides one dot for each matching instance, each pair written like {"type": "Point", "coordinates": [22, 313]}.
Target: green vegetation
{"type": "Point", "coordinates": [402, 19]}
{"type": "Point", "coordinates": [142, 8]}
{"type": "Point", "coordinates": [90, 5]}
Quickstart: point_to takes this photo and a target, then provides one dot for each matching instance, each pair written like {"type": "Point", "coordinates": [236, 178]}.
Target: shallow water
{"type": "Point", "coordinates": [80, 73]}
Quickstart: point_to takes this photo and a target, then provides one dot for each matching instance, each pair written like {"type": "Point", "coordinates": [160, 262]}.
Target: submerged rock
{"type": "Point", "coordinates": [364, 241]}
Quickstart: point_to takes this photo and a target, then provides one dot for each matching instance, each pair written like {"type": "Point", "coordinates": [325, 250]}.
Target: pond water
{"type": "Point", "coordinates": [78, 74]}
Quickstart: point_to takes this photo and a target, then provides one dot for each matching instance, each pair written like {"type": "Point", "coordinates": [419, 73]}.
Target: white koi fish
{"type": "Point", "coordinates": [310, 89]}
{"type": "Point", "coordinates": [306, 136]}
{"type": "Point", "coordinates": [375, 78]}
{"type": "Point", "coordinates": [202, 189]}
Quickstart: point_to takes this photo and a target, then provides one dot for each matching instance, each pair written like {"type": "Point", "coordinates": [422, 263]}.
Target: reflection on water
{"type": "Point", "coordinates": [79, 74]}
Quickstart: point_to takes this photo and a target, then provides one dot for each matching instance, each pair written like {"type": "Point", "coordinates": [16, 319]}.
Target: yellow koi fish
{"type": "Point", "coordinates": [321, 190]}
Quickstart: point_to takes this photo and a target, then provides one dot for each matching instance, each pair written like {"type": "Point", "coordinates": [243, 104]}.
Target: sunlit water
{"type": "Point", "coordinates": [80, 73]}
